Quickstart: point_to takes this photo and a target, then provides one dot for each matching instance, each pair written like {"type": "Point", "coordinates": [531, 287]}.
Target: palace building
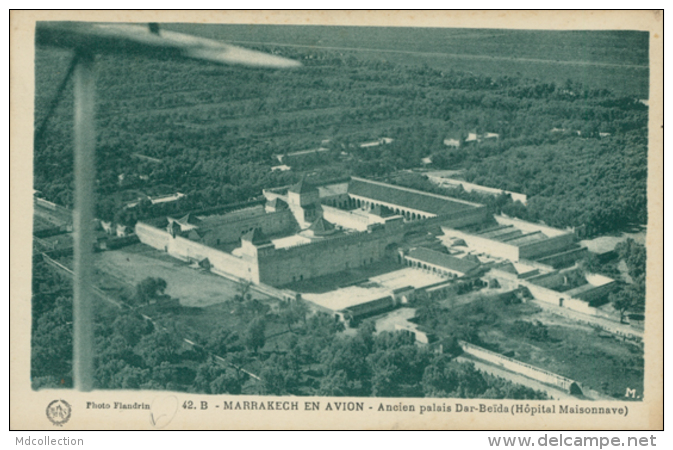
{"type": "Point", "coordinates": [312, 230]}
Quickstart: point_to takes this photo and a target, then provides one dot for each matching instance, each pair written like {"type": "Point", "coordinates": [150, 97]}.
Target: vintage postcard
{"type": "Point", "coordinates": [336, 220]}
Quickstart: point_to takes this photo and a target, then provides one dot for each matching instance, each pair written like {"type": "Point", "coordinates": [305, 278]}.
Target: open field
{"type": "Point", "coordinates": [204, 297]}
{"type": "Point", "coordinates": [194, 287]}
{"type": "Point", "coordinates": [607, 243]}
{"type": "Point", "coordinates": [598, 59]}
{"type": "Point", "coordinates": [42, 223]}
{"type": "Point", "coordinates": [387, 321]}
{"type": "Point", "coordinates": [44, 216]}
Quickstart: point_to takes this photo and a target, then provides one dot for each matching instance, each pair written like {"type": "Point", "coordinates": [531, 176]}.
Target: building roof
{"type": "Point", "coordinates": [471, 257]}
{"type": "Point", "coordinates": [278, 203]}
{"type": "Point", "coordinates": [188, 218]}
{"type": "Point", "coordinates": [256, 237]}
{"type": "Point", "coordinates": [407, 198]}
{"type": "Point", "coordinates": [382, 211]}
{"type": "Point", "coordinates": [302, 187]}
{"type": "Point", "coordinates": [195, 234]}
{"type": "Point", "coordinates": [175, 226]}
{"type": "Point", "coordinates": [322, 226]}
{"type": "Point", "coordinates": [524, 239]}
{"type": "Point", "coordinates": [443, 260]}
{"type": "Point", "coordinates": [506, 266]}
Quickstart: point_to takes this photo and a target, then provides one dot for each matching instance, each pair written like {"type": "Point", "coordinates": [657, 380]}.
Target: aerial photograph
{"type": "Point", "coordinates": [302, 210]}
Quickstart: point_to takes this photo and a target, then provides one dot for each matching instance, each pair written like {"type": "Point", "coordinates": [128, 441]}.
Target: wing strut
{"type": "Point", "coordinates": [85, 172]}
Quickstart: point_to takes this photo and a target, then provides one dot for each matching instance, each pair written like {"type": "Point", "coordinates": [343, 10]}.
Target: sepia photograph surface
{"type": "Point", "coordinates": [353, 220]}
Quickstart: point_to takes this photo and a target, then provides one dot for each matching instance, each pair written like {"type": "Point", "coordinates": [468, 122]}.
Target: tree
{"type": "Point", "coordinates": [255, 337]}
{"type": "Point", "coordinates": [346, 355]}
{"type": "Point", "coordinates": [243, 290]}
{"type": "Point", "coordinates": [590, 263]}
{"type": "Point", "coordinates": [635, 256]}
{"type": "Point", "coordinates": [247, 310]}
{"type": "Point", "coordinates": [52, 342]}
{"type": "Point", "coordinates": [150, 289]}
{"type": "Point", "coordinates": [280, 375]}
{"type": "Point", "coordinates": [335, 385]}
{"type": "Point", "coordinates": [629, 299]}
{"type": "Point", "coordinates": [158, 347]}
{"type": "Point", "coordinates": [445, 378]}
{"type": "Point", "coordinates": [293, 312]}
{"type": "Point", "coordinates": [226, 383]}
{"type": "Point", "coordinates": [397, 365]}
{"type": "Point", "coordinates": [221, 341]}
{"type": "Point", "coordinates": [131, 327]}
{"type": "Point", "coordinates": [130, 378]}
{"type": "Point", "coordinates": [529, 330]}
{"type": "Point", "coordinates": [206, 373]}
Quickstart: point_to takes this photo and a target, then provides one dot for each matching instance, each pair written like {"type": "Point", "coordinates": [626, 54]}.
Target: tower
{"type": "Point", "coordinates": [304, 201]}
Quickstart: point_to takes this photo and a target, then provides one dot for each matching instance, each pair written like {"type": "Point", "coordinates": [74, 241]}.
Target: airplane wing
{"type": "Point", "coordinates": [150, 41]}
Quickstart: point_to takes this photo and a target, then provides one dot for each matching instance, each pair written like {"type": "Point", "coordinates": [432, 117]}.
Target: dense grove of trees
{"type": "Point", "coordinates": [51, 329]}
{"type": "Point", "coordinates": [629, 296]}
{"type": "Point", "coordinates": [631, 299]}
{"type": "Point", "coordinates": [214, 133]}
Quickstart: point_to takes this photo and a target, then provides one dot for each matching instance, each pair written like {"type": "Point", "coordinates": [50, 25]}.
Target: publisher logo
{"type": "Point", "coordinates": [58, 412]}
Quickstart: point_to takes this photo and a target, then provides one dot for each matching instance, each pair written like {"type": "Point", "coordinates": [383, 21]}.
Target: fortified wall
{"type": "Point", "coordinates": [187, 250]}
{"type": "Point", "coordinates": [285, 265]}
{"type": "Point", "coordinates": [232, 230]}
{"type": "Point", "coordinates": [278, 266]}
{"type": "Point", "coordinates": [354, 219]}
{"type": "Point", "coordinates": [535, 373]}
{"type": "Point", "coordinates": [456, 219]}
{"type": "Point", "coordinates": [358, 237]}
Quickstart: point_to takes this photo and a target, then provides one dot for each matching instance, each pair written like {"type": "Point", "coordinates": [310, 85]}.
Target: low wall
{"type": "Point", "coordinates": [599, 320]}
{"type": "Point", "coordinates": [457, 219]}
{"type": "Point", "coordinates": [595, 292]}
{"type": "Point", "coordinates": [68, 251]}
{"type": "Point", "coordinates": [442, 290]}
{"type": "Point", "coordinates": [221, 263]}
{"type": "Point", "coordinates": [347, 219]}
{"type": "Point", "coordinates": [484, 245]}
{"type": "Point", "coordinates": [530, 227]}
{"type": "Point", "coordinates": [549, 280]}
{"type": "Point", "coordinates": [47, 259]}
{"type": "Point", "coordinates": [369, 308]}
{"type": "Point", "coordinates": [53, 206]}
{"type": "Point", "coordinates": [546, 247]}
{"type": "Point", "coordinates": [522, 368]}
{"type": "Point", "coordinates": [469, 187]}
{"type": "Point", "coordinates": [52, 231]}
{"type": "Point", "coordinates": [537, 264]}
{"type": "Point", "coordinates": [231, 229]}
{"type": "Point", "coordinates": [119, 242]}
{"type": "Point", "coordinates": [565, 258]}
{"type": "Point", "coordinates": [542, 293]}
{"type": "Point", "coordinates": [558, 298]}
